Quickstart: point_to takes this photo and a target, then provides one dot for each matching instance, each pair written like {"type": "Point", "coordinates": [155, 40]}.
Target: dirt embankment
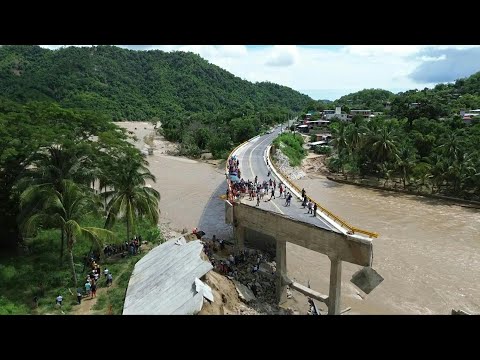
{"type": "Point", "coordinates": [314, 164]}
{"type": "Point", "coordinates": [226, 299]}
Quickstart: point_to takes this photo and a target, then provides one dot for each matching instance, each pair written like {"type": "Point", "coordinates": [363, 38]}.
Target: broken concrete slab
{"type": "Point", "coordinates": [459, 312]}
{"type": "Point", "coordinates": [163, 281]}
{"type": "Point", "coordinates": [244, 292]}
{"type": "Point", "coordinates": [204, 289]}
{"type": "Point", "coordinates": [366, 279]}
{"type": "Point", "coordinates": [266, 268]}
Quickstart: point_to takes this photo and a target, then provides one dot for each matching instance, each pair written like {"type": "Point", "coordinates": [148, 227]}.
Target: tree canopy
{"type": "Point", "coordinates": [133, 85]}
{"type": "Point", "coordinates": [369, 99]}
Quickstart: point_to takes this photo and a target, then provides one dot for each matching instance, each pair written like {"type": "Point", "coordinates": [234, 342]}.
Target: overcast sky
{"type": "Point", "coordinates": [330, 71]}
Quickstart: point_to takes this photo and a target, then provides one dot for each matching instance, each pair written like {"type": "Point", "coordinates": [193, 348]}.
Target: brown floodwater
{"type": "Point", "coordinates": [428, 251]}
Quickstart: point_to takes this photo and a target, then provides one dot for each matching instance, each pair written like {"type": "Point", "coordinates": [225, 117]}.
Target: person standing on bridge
{"type": "Point", "coordinates": [268, 175]}
{"type": "Point", "coordinates": [315, 209]}
{"type": "Point", "coordinates": [256, 178]}
{"type": "Point", "coordinates": [287, 197]}
{"type": "Point", "coordinates": [303, 193]}
{"type": "Point", "coordinates": [272, 194]}
{"type": "Point", "coordinates": [258, 199]}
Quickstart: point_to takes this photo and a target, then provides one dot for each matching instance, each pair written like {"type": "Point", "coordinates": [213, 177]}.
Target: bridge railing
{"type": "Point", "coordinates": [327, 212]}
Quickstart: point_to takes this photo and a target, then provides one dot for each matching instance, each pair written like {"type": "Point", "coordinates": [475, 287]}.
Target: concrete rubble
{"type": "Point", "coordinates": [244, 292]}
{"type": "Point", "coordinates": [252, 275]}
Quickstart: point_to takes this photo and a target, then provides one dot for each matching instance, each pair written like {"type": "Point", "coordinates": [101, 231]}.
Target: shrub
{"type": "Point", "coordinates": [324, 150]}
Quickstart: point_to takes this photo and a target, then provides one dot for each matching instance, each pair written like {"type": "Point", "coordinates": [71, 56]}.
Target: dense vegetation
{"type": "Point", "coordinates": [441, 101]}
{"type": "Point", "coordinates": [38, 273]}
{"type": "Point", "coordinates": [133, 85]}
{"type": "Point", "coordinates": [369, 99]}
{"type": "Point", "coordinates": [219, 132]}
{"type": "Point", "coordinates": [292, 146]}
{"type": "Point", "coordinates": [58, 142]}
{"type": "Point", "coordinates": [50, 159]}
{"type": "Point", "coordinates": [434, 156]}
{"type": "Point", "coordinates": [200, 105]}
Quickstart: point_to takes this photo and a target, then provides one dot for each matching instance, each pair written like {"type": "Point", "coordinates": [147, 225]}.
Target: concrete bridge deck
{"type": "Point", "coordinates": [274, 222]}
{"type": "Point", "coordinates": [252, 163]}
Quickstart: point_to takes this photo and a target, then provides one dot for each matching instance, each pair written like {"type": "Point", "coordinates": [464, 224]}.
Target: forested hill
{"type": "Point", "coordinates": [443, 100]}
{"type": "Point", "coordinates": [133, 85]}
{"type": "Point", "coordinates": [372, 99]}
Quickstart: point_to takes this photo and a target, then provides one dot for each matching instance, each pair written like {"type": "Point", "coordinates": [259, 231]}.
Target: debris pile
{"type": "Point", "coordinates": [251, 273]}
{"type": "Point", "coordinates": [283, 164]}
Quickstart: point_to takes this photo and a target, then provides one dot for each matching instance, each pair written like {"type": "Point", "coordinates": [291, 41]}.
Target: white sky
{"type": "Point", "coordinates": [330, 71]}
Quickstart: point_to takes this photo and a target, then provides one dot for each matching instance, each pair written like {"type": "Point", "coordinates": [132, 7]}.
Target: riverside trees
{"type": "Point", "coordinates": [429, 155]}
{"type": "Point", "coordinates": [49, 159]}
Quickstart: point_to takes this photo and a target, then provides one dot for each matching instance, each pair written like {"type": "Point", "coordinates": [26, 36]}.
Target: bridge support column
{"type": "Point", "coordinates": [281, 262]}
{"type": "Point", "coordinates": [335, 286]}
{"type": "Point", "coordinates": [239, 239]}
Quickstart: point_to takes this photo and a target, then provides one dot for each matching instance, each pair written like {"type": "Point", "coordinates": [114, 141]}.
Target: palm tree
{"type": "Point", "coordinates": [339, 133]}
{"type": "Point", "coordinates": [66, 209]}
{"type": "Point", "coordinates": [49, 167]}
{"type": "Point", "coordinates": [131, 197]}
{"type": "Point", "coordinates": [452, 147]}
{"type": "Point", "coordinates": [53, 164]}
{"type": "Point", "coordinates": [405, 161]}
{"type": "Point", "coordinates": [422, 173]}
{"type": "Point", "coordinates": [387, 173]}
{"type": "Point", "coordinates": [355, 134]}
{"type": "Point", "coordinates": [439, 168]}
{"type": "Point", "coordinates": [384, 145]}
{"type": "Point", "coordinates": [461, 171]}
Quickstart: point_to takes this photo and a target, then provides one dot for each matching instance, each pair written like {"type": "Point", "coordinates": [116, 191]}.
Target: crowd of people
{"type": "Point", "coordinates": [257, 190]}
{"type": "Point", "coordinates": [131, 247]}
{"type": "Point", "coordinates": [95, 273]}
{"type": "Point", "coordinates": [229, 264]}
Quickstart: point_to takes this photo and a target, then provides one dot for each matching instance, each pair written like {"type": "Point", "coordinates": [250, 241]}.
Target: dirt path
{"type": "Point", "coordinates": [86, 307]}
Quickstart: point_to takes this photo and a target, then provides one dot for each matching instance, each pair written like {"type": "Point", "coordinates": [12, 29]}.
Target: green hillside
{"type": "Point", "coordinates": [441, 101]}
{"type": "Point", "coordinates": [371, 99]}
{"type": "Point", "coordinates": [133, 85]}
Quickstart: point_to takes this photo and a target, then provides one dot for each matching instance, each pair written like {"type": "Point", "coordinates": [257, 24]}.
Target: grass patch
{"type": "Point", "coordinates": [111, 301]}
{"type": "Point", "coordinates": [39, 274]}
{"type": "Point", "coordinates": [292, 147]}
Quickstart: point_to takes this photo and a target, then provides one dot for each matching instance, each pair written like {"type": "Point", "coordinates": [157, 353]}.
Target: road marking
{"type": "Point", "coordinates": [250, 157]}
{"type": "Point", "coordinates": [322, 221]}
{"type": "Point", "coordinates": [278, 208]}
{"type": "Point", "coordinates": [251, 168]}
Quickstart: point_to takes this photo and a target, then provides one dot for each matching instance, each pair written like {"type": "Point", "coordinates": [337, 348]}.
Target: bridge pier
{"type": "Point", "coordinates": [337, 246]}
{"type": "Point", "coordinates": [335, 286]}
{"type": "Point", "coordinates": [239, 239]}
{"type": "Point", "coordinates": [281, 273]}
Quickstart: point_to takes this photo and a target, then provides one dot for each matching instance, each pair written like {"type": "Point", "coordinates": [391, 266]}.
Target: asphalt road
{"type": "Point", "coordinates": [252, 164]}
